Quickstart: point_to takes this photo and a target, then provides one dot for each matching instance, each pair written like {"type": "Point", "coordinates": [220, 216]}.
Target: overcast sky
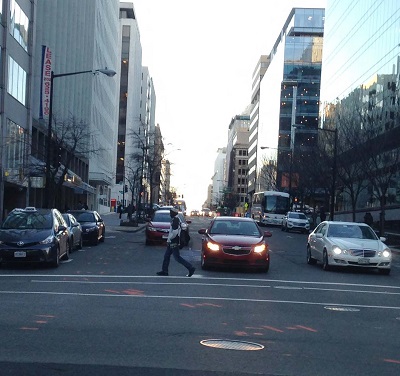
{"type": "Point", "coordinates": [201, 56]}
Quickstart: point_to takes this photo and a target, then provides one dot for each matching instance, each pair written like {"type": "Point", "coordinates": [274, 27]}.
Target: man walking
{"type": "Point", "coordinates": [173, 246]}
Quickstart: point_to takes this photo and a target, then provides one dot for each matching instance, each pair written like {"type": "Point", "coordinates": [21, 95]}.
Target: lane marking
{"type": "Point", "coordinates": [198, 298]}
{"type": "Point", "coordinates": [197, 276]}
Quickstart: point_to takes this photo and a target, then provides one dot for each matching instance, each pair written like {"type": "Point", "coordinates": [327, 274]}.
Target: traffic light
{"type": "Point", "coordinates": [126, 188]}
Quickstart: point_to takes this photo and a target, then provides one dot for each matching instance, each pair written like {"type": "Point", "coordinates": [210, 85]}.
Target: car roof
{"type": "Point", "coordinates": [345, 223]}
{"type": "Point", "coordinates": [237, 219]}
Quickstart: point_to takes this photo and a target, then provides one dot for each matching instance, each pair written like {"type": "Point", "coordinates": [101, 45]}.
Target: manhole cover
{"type": "Point", "coordinates": [231, 344]}
{"type": "Point", "coordinates": [342, 309]}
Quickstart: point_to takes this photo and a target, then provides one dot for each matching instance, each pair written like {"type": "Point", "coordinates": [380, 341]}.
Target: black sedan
{"type": "Point", "coordinates": [93, 227]}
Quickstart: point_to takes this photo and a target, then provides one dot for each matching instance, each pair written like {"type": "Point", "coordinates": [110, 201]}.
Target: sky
{"type": "Point", "coordinates": [201, 55]}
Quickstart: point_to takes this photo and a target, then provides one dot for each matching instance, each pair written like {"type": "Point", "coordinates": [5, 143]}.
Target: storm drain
{"type": "Point", "coordinates": [228, 344]}
{"type": "Point", "coordinates": [342, 309]}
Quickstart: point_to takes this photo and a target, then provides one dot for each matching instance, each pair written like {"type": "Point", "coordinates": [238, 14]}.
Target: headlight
{"type": "Point", "coordinates": [336, 250]}
{"type": "Point", "coordinates": [385, 253]}
{"type": "Point", "coordinates": [212, 246]}
{"type": "Point", "coordinates": [260, 248]}
{"type": "Point", "coordinates": [48, 240]}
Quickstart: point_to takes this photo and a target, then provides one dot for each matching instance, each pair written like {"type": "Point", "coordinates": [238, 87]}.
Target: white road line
{"type": "Point", "coordinates": [199, 298]}
{"type": "Point", "coordinates": [197, 276]}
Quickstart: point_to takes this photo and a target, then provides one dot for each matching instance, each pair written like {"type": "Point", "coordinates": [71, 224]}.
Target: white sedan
{"type": "Point", "coordinates": [348, 244]}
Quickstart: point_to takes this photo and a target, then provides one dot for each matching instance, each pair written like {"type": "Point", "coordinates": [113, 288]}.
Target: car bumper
{"type": "Point", "coordinates": [156, 237]}
{"type": "Point", "coordinates": [252, 261]}
{"type": "Point", "coordinates": [47, 254]}
{"type": "Point", "coordinates": [361, 262]}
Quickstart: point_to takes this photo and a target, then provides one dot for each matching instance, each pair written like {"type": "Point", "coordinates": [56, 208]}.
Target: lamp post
{"type": "Point", "coordinates": [107, 72]}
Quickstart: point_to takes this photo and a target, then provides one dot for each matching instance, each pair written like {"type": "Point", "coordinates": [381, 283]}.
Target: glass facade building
{"type": "Point", "coordinates": [360, 92]}
{"type": "Point", "coordinates": [289, 99]}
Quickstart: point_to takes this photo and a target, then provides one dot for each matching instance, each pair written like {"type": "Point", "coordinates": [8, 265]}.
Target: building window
{"type": "Point", "coordinates": [16, 81]}
{"type": "Point", "coordinates": [19, 24]}
{"type": "Point", "coordinates": [16, 146]}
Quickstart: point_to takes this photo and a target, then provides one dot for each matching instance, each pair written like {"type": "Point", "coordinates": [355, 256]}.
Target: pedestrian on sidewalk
{"type": "Point", "coordinates": [173, 246]}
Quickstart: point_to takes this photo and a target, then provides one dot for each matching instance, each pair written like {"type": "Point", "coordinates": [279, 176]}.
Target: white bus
{"type": "Point", "coordinates": [269, 207]}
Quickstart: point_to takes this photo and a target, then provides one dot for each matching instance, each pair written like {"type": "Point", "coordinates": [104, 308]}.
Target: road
{"type": "Point", "coordinates": [105, 312]}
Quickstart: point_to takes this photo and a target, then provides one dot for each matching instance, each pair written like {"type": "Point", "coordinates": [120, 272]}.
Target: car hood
{"type": "Point", "coordinates": [26, 235]}
{"type": "Point", "coordinates": [358, 244]}
{"type": "Point", "coordinates": [231, 240]}
{"type": "Point", "coordinates": [87, 224]}
{"type": "Point", "coordinates": [165, 225]}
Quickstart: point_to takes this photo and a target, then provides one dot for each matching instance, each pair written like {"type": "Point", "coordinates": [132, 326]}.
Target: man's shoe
{"type": "Point", "coordinates": [162, 273]}
{"type": "Point", "coordinates": [191, 272]}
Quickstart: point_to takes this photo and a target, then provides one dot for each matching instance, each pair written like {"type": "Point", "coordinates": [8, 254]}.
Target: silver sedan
{"type": "Point", "coordinates": [348, 244]}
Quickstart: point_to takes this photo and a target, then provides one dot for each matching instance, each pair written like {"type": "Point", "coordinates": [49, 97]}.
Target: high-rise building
{"type": "Point", "coordinates": [82, 37]}
{"type": "Point", "coordinates": [360, 95]}
{"type": "Point", "coordinates": [285, 117]}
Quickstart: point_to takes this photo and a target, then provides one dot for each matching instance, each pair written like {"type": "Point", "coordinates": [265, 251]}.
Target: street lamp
{"type": "Point", "coordinates": [108, 73]}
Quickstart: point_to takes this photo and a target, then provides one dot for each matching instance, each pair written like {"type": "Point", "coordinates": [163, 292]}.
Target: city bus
{"type": "Point", "coordinates": [269, 207]}
{"type": "Point", "coordinates": [181, 205]}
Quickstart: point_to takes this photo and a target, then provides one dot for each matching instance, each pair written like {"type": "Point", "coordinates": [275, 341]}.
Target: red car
{"type": "Point", "coordinates": [157, 228]}
{"type": "Point", "coordinates": [234, 242]}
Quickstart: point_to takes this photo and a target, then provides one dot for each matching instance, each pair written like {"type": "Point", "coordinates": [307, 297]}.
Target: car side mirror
{"type": "Point", "coordinates": [267, 234]}
{"type": "Point", "coordinates": [202, 231]}
{"type": "Point", "coordinates": [319, 236]}
{"type": "Point", "coordinates": [382, 239]}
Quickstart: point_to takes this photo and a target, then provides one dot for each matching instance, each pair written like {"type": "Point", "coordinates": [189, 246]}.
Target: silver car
{"type": "Point", "coordinates": [348, 244]}
{"type": "Point", "coordinates": [296, 221]}
{"type": "Point", "coordinates": [74, 231]}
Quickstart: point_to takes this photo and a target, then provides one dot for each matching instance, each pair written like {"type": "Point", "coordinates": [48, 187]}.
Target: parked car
{"type": "Point", "coordinates": [93, 227]}
{"type": "Point", "coordinates": [234, 242]}
{"type": "Point", "coordinates": [348, 244]}
{"type": "Point", "coordinates": [74, 231]}
{"type": "Point", "coordinates": [157, 227]}
{"type": "Point", "coordinates": [34, 235]}
{"type": "Point", "coordinates": [296, 221]}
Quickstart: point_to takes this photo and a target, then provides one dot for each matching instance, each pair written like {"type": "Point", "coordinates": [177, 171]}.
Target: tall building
{"type": "Point", "coordinates": [82, 37]}
{"type": "Point", "coordinates": [17, 30]}
{"type": "Point", "coordinates": [237, 161]}
{"type": "Point", "coordinates": [218, 178]}
{"type": "Point", "coordinates": [285, 119]}
{"type": "Point", "coordinates": [360, 82]}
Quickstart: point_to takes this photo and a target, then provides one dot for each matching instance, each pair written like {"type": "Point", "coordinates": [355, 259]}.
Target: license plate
{"type": "Point", "coordinates": [363, 261]}
{"type": "Point", "coordinates": [19, 254]}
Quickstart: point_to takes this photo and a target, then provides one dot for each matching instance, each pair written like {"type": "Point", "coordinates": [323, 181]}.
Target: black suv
{"type": "Point", "coordinates": [34, 235]}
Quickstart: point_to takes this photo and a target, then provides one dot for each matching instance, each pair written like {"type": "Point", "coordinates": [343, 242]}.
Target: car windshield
{"type": "Point", "coordinates": [351, 231]}
{"type": "Point", "coordinates": [227, 227]}
{"type": "Point", "coordinates": [161, 217]}
{"type": "Point", "coordinates": [23, 220]}
{"type": "Point", "coordinates": [85, 217]}
{"type": "Point", "coordinates": [297, 216]}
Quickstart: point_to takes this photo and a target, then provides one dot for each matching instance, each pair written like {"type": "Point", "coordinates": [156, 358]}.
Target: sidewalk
{"type": "Point", "coordinates": [112, 221]}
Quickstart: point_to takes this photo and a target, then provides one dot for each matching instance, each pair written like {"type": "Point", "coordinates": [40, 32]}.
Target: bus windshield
{"type": "Point", "coordinates": [276, 204]}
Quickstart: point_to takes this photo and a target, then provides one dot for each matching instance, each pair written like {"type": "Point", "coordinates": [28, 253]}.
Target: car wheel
{"type": "Point", "coordinates": [310, 260]}
{"type": "Point", "coordinates": [80, 244]}
{"type": "Point", "coordinates": [325, 262]}
{"type": "Point", "coordinates": [384, 271]}
{"type": "Point", "coordinates": [204, 265]}
{"type": "Point", "coordinates": [56, 262]}
{"type": "Point", "coordinates": [67, 252]}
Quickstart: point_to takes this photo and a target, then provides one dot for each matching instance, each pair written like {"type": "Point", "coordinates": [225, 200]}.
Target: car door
{"type": "Point", "coordinates": [62, 235]}
{"type": "Point", "coordinates": [319, 241]}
